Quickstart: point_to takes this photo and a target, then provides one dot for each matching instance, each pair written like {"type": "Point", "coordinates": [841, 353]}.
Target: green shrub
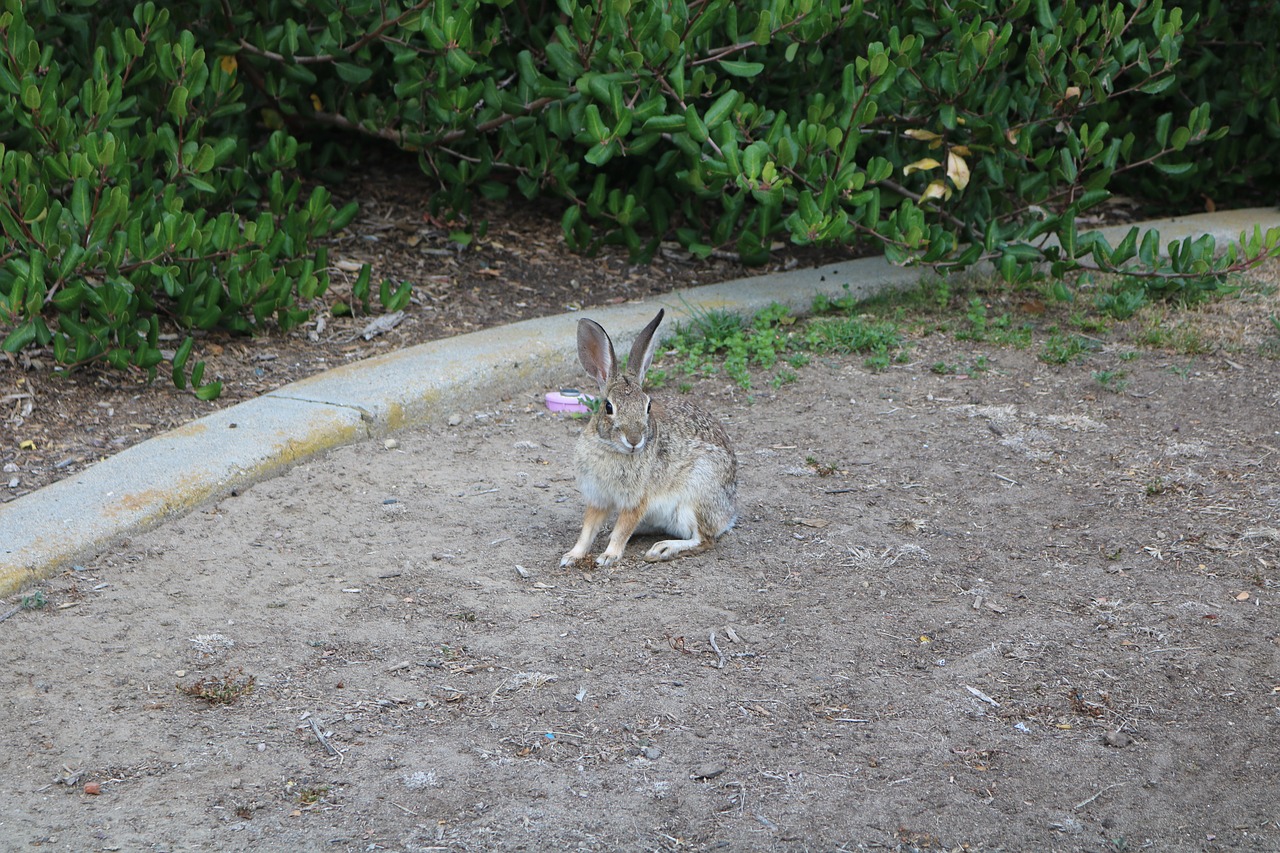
{"type": "Point", "coordinates": [151, 156]}
{"type": "Point", "coordinates": [131, 193]}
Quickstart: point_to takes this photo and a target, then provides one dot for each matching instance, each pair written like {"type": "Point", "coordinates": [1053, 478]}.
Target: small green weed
{"type": "Point", "coordinates": [823, 469]}
{"type": "Point", "coordinates": [1123, 300]}
{"type": "Point", "coordinates": [979, 366]}
{"type": "Point", "coordinates": [981, 327]}
{"type": "Point", "coordinates": [1060, 349]}
{"type": "Point", "coordinates": [34, 601]}
{"type": "Point", "coordinates": [1111, 380]}
{"type": "Point", "coordinates": [783, 377]}
{"type": "Point", "coordinates": [311, 795]}
{"type": "Point", "coordinates": [1270, 348]}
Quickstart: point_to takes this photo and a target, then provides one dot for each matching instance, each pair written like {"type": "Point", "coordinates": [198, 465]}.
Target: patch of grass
{"type": "Point", "coordinates": [850, 334]}
{"type": "Point", "coordinates": [1122, 301]}
{"type": "Point", "coordinates": [34, 601]}
{"type": "Point", "coordinates": [783, 377]}
{"type": "Point", "coordinates": [230, 688]}
{"type": "Point", "coordinates": [979, 366]}
{"type": "Point", "coordinates": [715, 340]}
{"type": "Point", "coordinates": [312, 794]}
{"type": "Point", "coordinates": [1087, 323]}
{"type": "Point", "coordinates": [1270, 348]}
{"type": "Point", "coordinates": [719, 337]}
{"type": "Point", "coordinates": [1111, 380]}
{"type": "Point", "coordinates": [1060, 349]}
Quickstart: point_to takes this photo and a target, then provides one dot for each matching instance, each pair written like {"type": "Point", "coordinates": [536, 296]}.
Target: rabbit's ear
{"type": "Point", "coordinates": [595, 351]}
{"type": "Point", "coordinates": [642, 349]}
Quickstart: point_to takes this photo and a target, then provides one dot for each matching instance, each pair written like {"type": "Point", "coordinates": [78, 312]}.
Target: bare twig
{"type": "Point", "coordinates": [720, 663]}
{"type": "Point", "coordinates": [324, 741]}
{"type": "Point", "coordinates": [984, 697]}
{"type": "Point", "coordinates": [1084, 803]}
{"type": "Point", "coordinates": [9, 612]}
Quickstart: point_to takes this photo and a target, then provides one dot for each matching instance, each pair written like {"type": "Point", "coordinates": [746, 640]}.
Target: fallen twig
{"type": "Point", "coordinates": [984, 697]}
{"type": "Point", "coordinates": [720, 663]}
{"type": "Point", "coordinates": [9, 612]}
{"type": "Point", "coordinates": [324, 741]}
{"type": "Point", "coordinates": [1084, 803]}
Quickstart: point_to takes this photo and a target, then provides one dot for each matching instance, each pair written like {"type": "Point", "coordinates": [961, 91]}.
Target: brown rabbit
{"type": "Point", "coordinates": [664, 466]}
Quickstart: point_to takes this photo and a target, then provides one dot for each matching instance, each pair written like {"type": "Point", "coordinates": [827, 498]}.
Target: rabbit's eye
{"type": "Point", "coordinates": [608, 407]}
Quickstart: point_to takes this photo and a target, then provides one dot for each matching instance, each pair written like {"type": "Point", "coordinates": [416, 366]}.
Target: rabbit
{"type": "Point", "coordinates": [662, 465]}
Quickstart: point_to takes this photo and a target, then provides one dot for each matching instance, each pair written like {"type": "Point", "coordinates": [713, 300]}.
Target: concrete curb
{"type": "Point", "coordinates": [172, 473]}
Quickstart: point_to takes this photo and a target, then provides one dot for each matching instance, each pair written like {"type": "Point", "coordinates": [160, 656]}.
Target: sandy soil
{"type": "Point", "coordinates": [1010, 612]}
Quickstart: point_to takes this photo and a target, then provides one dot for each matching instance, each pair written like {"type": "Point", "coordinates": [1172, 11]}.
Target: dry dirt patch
{"type": "Point", "coordinates": [1016, 611]}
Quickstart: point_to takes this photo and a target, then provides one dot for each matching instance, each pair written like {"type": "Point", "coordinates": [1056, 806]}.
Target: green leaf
{"type": "Point", "coordinates": [1173, 168]}
{"type": "Point", "coordinates": [178, 102]}
{"type": "Point", "coordinates": [352, 74]}
{"type": "Point", "coordinates": [80, 203]}
{"type": "Point", "coordinates": [212, 391]}
{"type": "Point", "coordinates": [741, 69]}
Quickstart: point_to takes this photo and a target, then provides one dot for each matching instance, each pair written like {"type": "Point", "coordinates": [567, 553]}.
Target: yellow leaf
{"type": "Point", "coordinates": [924, 638]}
{"type": "Point", "coordinates": [1244, 596]}
{"type": "Point", "coordinates": [936, 189]}
{"type": "Point", "coordinates": [916, 133]}
{"type": "Point", "coordinates": [228, 64]}
{"type": "Point", "coordinates": [1012, 136]}
{"type": "Point", "coordinates": [957, 170]}
{"type": "Point", "coordinates": [962, 150]}
{"type": "Point", "coordinates": [27, 445]}
{"type": "Point", "coordinates": [1072, 92]}
{"type": "Point", "coordinates": [316, 103]}
{"type": "Point", "coordinates": [920, 166]}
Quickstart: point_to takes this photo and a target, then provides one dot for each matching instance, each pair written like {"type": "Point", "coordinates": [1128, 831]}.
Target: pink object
{"type": "Point", "coordinates": [568, 400]}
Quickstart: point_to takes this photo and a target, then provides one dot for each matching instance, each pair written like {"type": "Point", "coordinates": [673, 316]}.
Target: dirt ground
{"type": "Point", "coordinates": [1019, 610]}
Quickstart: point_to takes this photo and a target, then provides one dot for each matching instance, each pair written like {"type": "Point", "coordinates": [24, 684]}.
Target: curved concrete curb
{"type": "Point", "coordinates": [171, 473]}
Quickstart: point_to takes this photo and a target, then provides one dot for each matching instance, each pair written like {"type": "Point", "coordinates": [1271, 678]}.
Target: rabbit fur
{"type": "Point", "coordinates": [661, 465]}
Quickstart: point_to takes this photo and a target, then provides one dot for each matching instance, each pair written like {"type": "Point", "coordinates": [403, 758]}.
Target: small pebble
{"type": "Point", "coordinates": [651, 752]}
{"type": "Point", "coordinates": [93, 789]}
{"type": "Point", "coordinates": [15, 482]}
{"type": "Point", "coordinates": [455, 419]}
{"type": "Point", "coordinates": [710, 770]}
{"type": "Point", "coordinates": [390, 444]}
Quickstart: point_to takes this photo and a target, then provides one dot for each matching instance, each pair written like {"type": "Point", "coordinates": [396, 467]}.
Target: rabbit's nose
{"type": "Point", "coordinates": [635, 442]}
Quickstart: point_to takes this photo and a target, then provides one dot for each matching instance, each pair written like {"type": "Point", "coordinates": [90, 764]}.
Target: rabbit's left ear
{"type": "Point", "coordinates": [595, 351]}
{"type": "Point", "coordinates": [642, 349]}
